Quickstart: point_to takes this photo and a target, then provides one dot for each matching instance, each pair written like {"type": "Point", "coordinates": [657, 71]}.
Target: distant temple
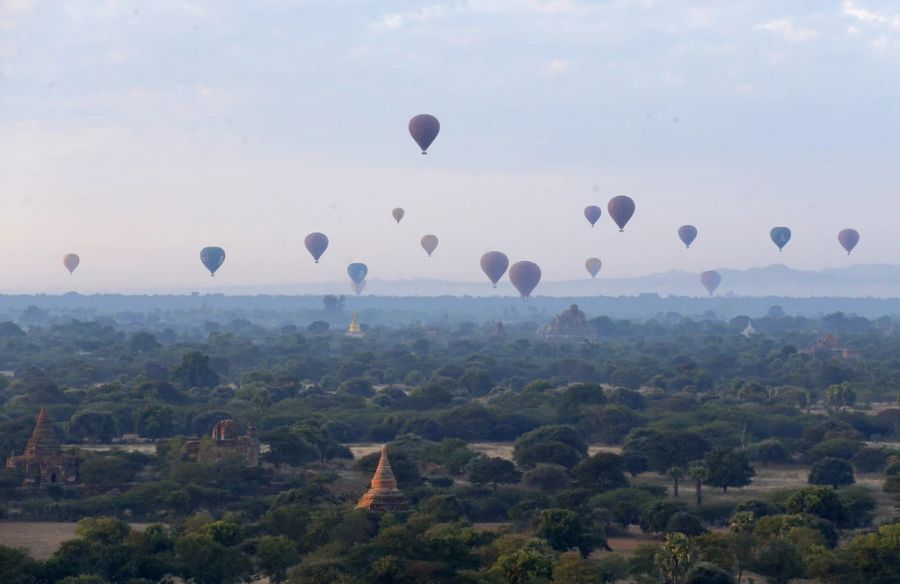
{"type": "Point", "coordinates": [749, 331]}
{"type": "Point", "coordinates": [383, 494]}
{"type": "Point", "coordinates": [43, 461]}
{"type": "Point", "coordinates": [570, 323]}
{"type": "Point", "coordinates": [830, 347]}
{"type": "Point", "coordinates": [226, 443]}
{"type": "Point", "coordinates": [355, 330]}
{"type": "Point", "coordinates": [499, 331]}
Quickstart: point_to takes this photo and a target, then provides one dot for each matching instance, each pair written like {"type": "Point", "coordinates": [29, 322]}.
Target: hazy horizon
{"type": "Point", "coordinates": [135, 135]}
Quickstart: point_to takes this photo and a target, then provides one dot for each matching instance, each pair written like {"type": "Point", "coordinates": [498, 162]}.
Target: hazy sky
{"type": "Point", "coordinates": [135, 133]}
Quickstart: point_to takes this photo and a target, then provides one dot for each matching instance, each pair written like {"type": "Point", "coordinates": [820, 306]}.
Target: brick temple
{"type": "Point", "coordinates": [43, 462]}
{"type": "Point", "coordinates": [383, 494]}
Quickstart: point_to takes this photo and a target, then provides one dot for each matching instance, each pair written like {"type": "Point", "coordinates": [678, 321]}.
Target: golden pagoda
{"type": "Point", "coordinates": [383, 494]}
{"type": "Point", "coordinates": [355, 330]}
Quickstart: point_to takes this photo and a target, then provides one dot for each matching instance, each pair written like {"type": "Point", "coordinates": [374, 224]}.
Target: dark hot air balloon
{"type": "Point", "coordinates": [358, 287]}
{"type": "Point", "coordinates": [398, 214]}
{"type": "Point", "coordinates": [71, 261]}
{"type": "Point", "coordinates": [525, 276]}
{"type": "Point", "coordinates": [621, 209]}
{"type": "Point", "coordinates": [212, 258]}
{"type": "Point", "coordinates": [494, 264]}
{"type": "Point", "coordinates": [593, 266]}
{"type": "Point", "coordinates": [848, 238]}
{"type": "Point", "coordinates": [429, 244]}
{"type": "Point", "coordinates": [357, 272]}
{"type": "Point", "coordinates": [711, 280]}
{"type": "Point", "coordinates": [687, 234]}
{"type": "Point", "coordinates": [424, 129]}
{"type": "Point", "coordinates": [592, 214]}
{"type": "Point", "coordinates": [780, 236]}
{"type": "Point", "coordinates": [316, 244]}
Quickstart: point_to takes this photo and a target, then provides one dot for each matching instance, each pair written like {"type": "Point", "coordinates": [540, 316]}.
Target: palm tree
{"type": "Point", "coordinates": [698, 473]}
{"type": "Point", "coordinates": [674, 557]}
{"type": "Point", "coordinates": [675, 473]}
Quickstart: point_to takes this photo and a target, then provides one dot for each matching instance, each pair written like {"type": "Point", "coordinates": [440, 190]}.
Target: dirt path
{"type": "Point", "coordinates": [41, 538]}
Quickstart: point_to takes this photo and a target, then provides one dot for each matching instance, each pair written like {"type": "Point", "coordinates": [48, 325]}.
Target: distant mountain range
{"type": "Point", "coordinates": [868, 280]}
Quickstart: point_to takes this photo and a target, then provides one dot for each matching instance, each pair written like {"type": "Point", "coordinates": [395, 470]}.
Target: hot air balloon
{"type": "Point", "coordinates": [494, 264]}
{"type": "Point", "coordinates": [316, 244]}
{"type": "Point", "coordinates": [848, 238]}
{"type": "Point", "coordinates": [593, 266]}
{"type": "Point", "coordinates": [592, 214]}
{"type": "Point", "coordinates": [424, 129]}
{"type": "Point", "coordinates": [398, 214]}
{"type": "Point", "coordinates": [621, 209]}
{"type": "Point", "coordinates": [780, 236]}
{"type": "Point", "coordinates": [525, 276]}
{"type": "Point", "coordinates": [429, 244]}
{"type": "Point", "coordinates": [71, 261]}
{"type": "Point", "coordinates": [212, 258]}
{"type": "Point", "coordinates": [358, 287]}
{"type": "Point", "coordinates": [687, 234]}
{"type": "Point", "coordinates": [711, 280]}
{"type": "Point", "coordinates": [357, 272]}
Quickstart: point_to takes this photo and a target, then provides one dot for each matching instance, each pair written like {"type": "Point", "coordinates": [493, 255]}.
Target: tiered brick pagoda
{"type": "Point", "coordinates": [43, 462]}
{"type": "Point", "coordinates": [383, 495]}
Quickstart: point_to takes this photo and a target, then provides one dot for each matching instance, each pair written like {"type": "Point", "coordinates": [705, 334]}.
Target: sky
{"type": "Point", "coordinates": [136, 133]}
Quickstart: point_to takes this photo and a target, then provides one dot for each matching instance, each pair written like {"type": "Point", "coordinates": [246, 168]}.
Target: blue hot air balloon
{"type": "Point", "coordinates": [780, 236]}
{"type": "Point", "coordinates": [687, 234]}
{"type": "Point", "coordinates": [212, 258]}
{"type": "Point", "coordinates": [316, 244]}
{"type": "Point", "coordinates": [357, 272]}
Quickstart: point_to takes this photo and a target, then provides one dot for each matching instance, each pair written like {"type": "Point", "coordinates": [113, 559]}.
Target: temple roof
{"type": "Point", "coordinates": [43, 440]}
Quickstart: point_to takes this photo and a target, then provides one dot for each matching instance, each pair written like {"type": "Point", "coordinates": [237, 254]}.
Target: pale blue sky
{"type": "Point", "coordinates": [135, 133]}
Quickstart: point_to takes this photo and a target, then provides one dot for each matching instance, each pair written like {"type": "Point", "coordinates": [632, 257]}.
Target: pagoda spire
{"type": "Point", "coordinates": [43, 440]}
{"type": "Point", "coordinates": [383, 494]}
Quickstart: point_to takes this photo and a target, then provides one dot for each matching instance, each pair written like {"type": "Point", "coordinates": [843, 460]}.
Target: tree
{"type": "Point", "coordinates": [493, 471]}
{"type": "Point", "coordinates": [154, 421]}
{"type": "Point", "coordinates": [870, 459]}
{"type": "Point", "coordinates": [769, 451]}
{"type": "Point", "coordinates": [840, 396]}
{"type": "Point", "coordinates": [778, 560]}
{"type": "Point", "coordinates": [143, 342]}
{"type": "Point", "coordinates": [634, 463]}
{"type": "Point", "coordinates": [564, 531]}
{"type": "Point", "coordinates": [275, 555]}
{"type": "Point", "coordinates": [705, 573]}
{"type": "Point", "coordinates": [674, 557]}
{"type": "Point", "coordinates": [89, 425]}
{"type": "Point", "coordinates": [656, 516]}
{"type": "Point", "coordinates": [675, 473]}
{"type": "Point", "coordinates": [17, 567]}
{"type": "Point", "coordinates": [683, 522]}
{"type": "Point", "coordinates": [524, 563]}
{"type": "Point", "coordinates": [207, 561]}
{"type": "Point", "coordinates": [601, 472]}
{"type": "Point", "coordinates": [831, 471]}
{"type": "Point", "coordinates": [556, 453]}
{"type": "Point", "coordinates": [698, 474]}
{"type": "Point", "coordinates": [820, 501]}
{"type": "Point", "coordinates": [103, 530]}
{"type": "Point", "coordinates": [546, 477]}
{"type": "Point", "coordinates": [573, 569]}
{"type": "Point", "coordinates": [195, 371]}
{"type": "Point", "coordinates": [552, 436]}
{"type": "Point", "coordinates": [358, 386]}
{"type": "Point", "coordinates": [727, 468]}
{"type": "Point", "coordinates": [666, 449]}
